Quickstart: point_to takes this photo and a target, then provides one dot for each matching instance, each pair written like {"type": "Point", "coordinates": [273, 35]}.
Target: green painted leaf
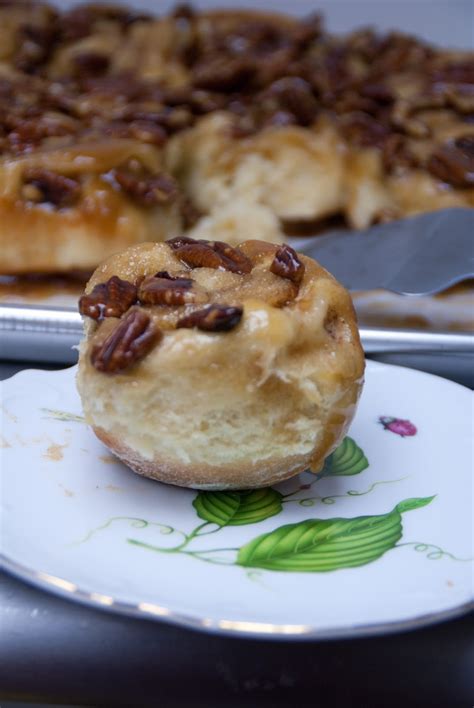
{"type": "Point", "coordinates": [414, 503]}
{"type": "Point", "coordinates": [238, 508]}
{"type": "Point", "coordinates": [319, 545]}
{"type": "Point", "coordinates": [347, 459]}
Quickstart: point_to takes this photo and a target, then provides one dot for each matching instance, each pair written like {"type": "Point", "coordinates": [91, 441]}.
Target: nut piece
{"type": "Point", "coordinates": [199, 255]}
{"type": "Point", "coordinates": [235, 260]}
{"type": "Point", "coordinates": [453, 162]}
{"type": "Point", "coordinates": [129, 342]}
{"type": "Point", "coordinates": [52, 188]}
{"type": "Point", "coordinates": [293, 96]}
{"type": "Point", "coordinates": [164, 289]}
{"type": "Point", "coordinates": [286, 264]}
{"type": "Point", "coordinates": [110, 299]}
{"type": "Point", "coordinates": [145, 188]}
{"type": "Point", "coordinates": [210, 254]}
{"type": "Point", "coordinates": [214, 318]}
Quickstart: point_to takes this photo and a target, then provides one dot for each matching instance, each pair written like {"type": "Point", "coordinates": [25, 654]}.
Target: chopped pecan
{"type": "Point", "coordinates": [91, 63]}
{"type": "Point", "coordinates": [457, 72]}
{"type": "Point", "coordinates": [308, 29]}
{"type": "Point", "coordinates": [28, 132]}
{"type": "Point", "coordinates": [120, 86]}
{"type": "Point", "coordinates": [109, 299]}
{"type": "Point", "coordinates": [146, 188]}
{"type": "Point", "coordinates": [293, 95]}
{"type": "Point", "coordinates": [460, 98]}
{"type": "Point", "coordinates": [286, 264]}
{"type": "Point", "coordinates": [189, 212]}
{"type": "Point", "coordinates": [377, 91]}
{"type": "Point", "coordinates": [396, 153]}
{"type": "Point", "coordinates": [278, 119]}
{"type": "Point", "coordinates": [403, 116]}
{"type": "Point", "coordinates": [364, 130]}
{"type": "Point", "coordinates": [79, 22]}
{"type": "Point", "coordinates": [58, 190]}
{"type": "Point", "coordinates": [130, 341]}
{"type": "Point", "coordinates": [453, 162]}
{"type": "Point", "coordinates": [221, 73]}
{"type": "Point", "coordinates": [35, 44]}
{"type": "Point", "coordinates": [165, 289]}
{"type": "Point", "coordinates": [214, 318]}
{"type": "Point", "coordinates": [210, 254]}
{"type": "Point", "coordinates": [148, 132]}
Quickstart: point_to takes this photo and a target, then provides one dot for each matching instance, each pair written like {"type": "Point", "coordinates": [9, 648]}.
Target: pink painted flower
{"type": "Point", "coordinates": [404, 428]}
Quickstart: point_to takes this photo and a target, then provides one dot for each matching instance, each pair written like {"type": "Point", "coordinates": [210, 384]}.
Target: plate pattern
{"type": "Point", "coordinates": [76, 521]}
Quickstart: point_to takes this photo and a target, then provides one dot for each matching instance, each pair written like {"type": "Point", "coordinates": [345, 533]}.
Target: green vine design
{"type": "Point", "coordinates": [63, 415]}
{"type": "Point", "coordinates": [311, 545]}
{"type": "Point", "coordinates": [135, 522]}
{"type": "Point", "coordinates": [331, 499]}
{"type": "Point", "coordinates": [433, 552]}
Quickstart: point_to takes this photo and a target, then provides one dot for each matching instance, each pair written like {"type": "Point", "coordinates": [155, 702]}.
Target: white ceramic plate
{"type": "Point", "coordinates": [381, 540]}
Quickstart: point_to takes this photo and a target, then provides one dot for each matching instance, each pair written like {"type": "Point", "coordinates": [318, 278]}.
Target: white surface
{"type": "Point", "coordinates": [59, 484]}
{"type": "Point", "coordinates": [444, 22]}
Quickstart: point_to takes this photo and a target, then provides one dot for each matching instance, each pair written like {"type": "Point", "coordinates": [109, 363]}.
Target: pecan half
{"type": "Point", "coordinates": [189, 212]}
{"type": "Point", "coordinates": [286, 264]}
{"type": "Point", "coordinates": [129, 342]}
{"type": "Point", "coordinates": [234, 259]}
{"type": "Point", "coordinates": [221, 73]}
{"type": "Point", "coordinates": [147, 189]}
{"type": "Point", "coordinates": [52, 188]}
{"type": "Point", "coordinates": [178, 241]}
{"type": "Point", "coordinates": [214, 318]}
{"type": "Point", "coordinates": [294, 96]}
{"type": "Point", "coordinates": [91, 63]}
{"type": "Point", "coordinates": [210, 254]}
{"type": "Point", "coordinates": [199, 255]}
{"type": "Point", "coordinates": [164, 289]}
{"type": "Point", "coordinates": [147, 132]}
{"type": "Point", "coordinates": [453, 162]}
{"type": "Point", "coordinates": [109, 299]}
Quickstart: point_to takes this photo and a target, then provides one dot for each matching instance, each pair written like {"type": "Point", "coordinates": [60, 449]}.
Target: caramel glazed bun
{"type": "Point", "coordinates": [215, 367]}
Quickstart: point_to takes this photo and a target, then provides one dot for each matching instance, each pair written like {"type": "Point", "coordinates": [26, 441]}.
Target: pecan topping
{"type": "Point", "coordinates": [147, 132]}
{"type": "Point", "coordinates": [222, 73]}
{"type": "Point", "coordinates": [145, 188]}
{"type": "Point", "coordinates": [36, 43]}
{"type": "Point", "coordinates": [91, 63]}
{"type": "Point", "coordinates": [129, 342]}
{"type": "Point", "coordinates": [293, 96]}
{"type": "Point", "coordinates": [214, 318]}
{"type": "Point", "coordinates": [199, 255]}
{"type": "Point", "coordinates": [178, 241]}
{"type": "Point", "coordinates": [109, 299]}
{"type": "Point", "coordinates": [210, 254]}
{"type": "Point", "coordinates": [189, 212]}
{"type": "Point", "coordinates": [286, 264]}
{"type": "Point", "coordinates": [453, 162]}
{"type": "Point", "coordinates": [165, 289]}
{"type": "Point", "coordinates": [58, 190]}
{"type": "Point", "coordinates": [234, 259]}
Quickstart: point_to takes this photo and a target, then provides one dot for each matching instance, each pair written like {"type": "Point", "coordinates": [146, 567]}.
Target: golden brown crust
{"type": "Point", "coordinates": [232, 476]}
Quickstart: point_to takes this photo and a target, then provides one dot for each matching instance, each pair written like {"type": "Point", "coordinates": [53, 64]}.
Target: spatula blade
{"type": "Point", "coordinates": [420, 255]}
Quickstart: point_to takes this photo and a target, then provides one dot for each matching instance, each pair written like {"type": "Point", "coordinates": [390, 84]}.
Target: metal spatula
{"type": "Point", "coordinates": [417, 256]}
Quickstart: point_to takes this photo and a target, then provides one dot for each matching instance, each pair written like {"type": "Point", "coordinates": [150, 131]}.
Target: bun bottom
{"type": "Point", "coordinates": [247, 475]}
